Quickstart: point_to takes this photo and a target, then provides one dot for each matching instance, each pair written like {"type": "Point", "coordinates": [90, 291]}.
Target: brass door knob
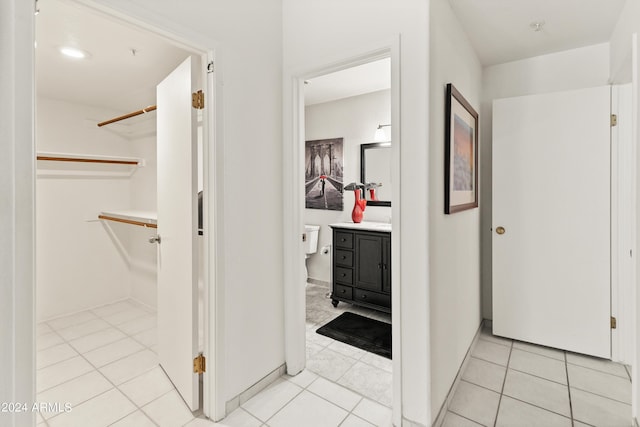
{"type": "Point", "coordinates": [500, 230]}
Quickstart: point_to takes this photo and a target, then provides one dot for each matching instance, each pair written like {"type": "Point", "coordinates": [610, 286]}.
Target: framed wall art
{"type": "Point", "coordinates": [460, 153]}
{"type": "Point", "coordinates": [323, 174]}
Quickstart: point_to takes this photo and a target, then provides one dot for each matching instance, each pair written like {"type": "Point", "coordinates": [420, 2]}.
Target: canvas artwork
{"type": "Point", "coordinates": [461, 153]}
{"type": "Point", "coordinates": [323, 174]}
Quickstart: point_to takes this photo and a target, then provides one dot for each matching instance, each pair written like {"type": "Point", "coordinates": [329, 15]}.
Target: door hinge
{"type": "Point", "coordinates": [614, 120]}
{"type": "Point", "coordinates": [210, 67]}
{"type": "Point", "coordinates": [614, 322]}
{"type": "Point", "coordinates": [199, 364]}
{"type": "Point", "coordinates": [197, 100]}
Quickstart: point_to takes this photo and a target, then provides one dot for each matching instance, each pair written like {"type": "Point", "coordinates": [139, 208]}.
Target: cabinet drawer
{"type": "Point", "coordinates": [344, 258]}
{"type": "Point", "coordinates": [373, 298]}
{"type": "Point", "coordinates": [343, 240]}
{"type": "Point", "coordinates": [344, 275]}
{"type": "Point", "coordinates": [345, 292]}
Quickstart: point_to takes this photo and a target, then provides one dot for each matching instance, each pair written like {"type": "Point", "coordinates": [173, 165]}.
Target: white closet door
{"type": "Point", "coordinates": [177, 229]}
{"type": "Point", "coordinates": [551, 196]}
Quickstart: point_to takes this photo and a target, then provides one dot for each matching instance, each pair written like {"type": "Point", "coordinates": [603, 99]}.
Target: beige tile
{"type": "Point", "coordinates": [130, 366]}
{"type": "Point", "coordinates": [475, 403]}
{"type": "Point", "coordinates": [600, 383]}
{"type": "Point", "coordinates": [353, 421]}
{"type": "Point", "coordinates": [599, 411]}
{"type": "Point", "coordinates": [147, 387]}
{"type": "Point", "coordinates": [538, 391]}
{"type": "Point", "coordinates": [491, 352]}
{"type": "Point", "coordinates": [59, 373]}
{"type": "Point", "coordinates": [42, 329]}
{"type": "Point", "coordinates": [375, 413]}
{"type": "Point", "coordinates": [377, 361]}
{"type": "Point", "coordinates": [335, 393]}
{"type": "Point", "coordinates": [71, 320]}
{"type": "Point", "coordinates": [539, 349]}
{"type": "Point", "coordinates": [110, 309]}
{"type": "Point", "coordinates": [137, 419]}
{"type": "Point", "coordinates": [124, 316]}
{"type": "Point", "coordinates": [541, 366]}
{"type": "Point", "coordinates": [139, 324]}
{"type": "Point", "coordinates": [485, 374]}
{"type": "Point", "coordinates": [303, 379]}
{"type": "Point", "coordinates": [346, 350]}
{"type": "Point", "coordinates": [169, 410]}
{"type": "Point", "coordinates": [269, 401]}
{"type": "Point", "coordinates": [76, 391]}
{"type": "Point", "coordinates": [486, 334]}
{"type": "Point", "coordinates": [54, 354]}
{"type": "Point", "coordinates": [203, 422]}
{"type": "Point", "coordinates": [455, 420]}
{"type": "Point", "coordinates": [238, 418]}
{"type": "Point", "coordinates": [329, 364]}
{"type": "Point", "coordinates": [308, 410]}
{"type": "Point", "coordinates": [514, 413]}
{"type": "Point", "coordinates": [370, 382]}
{"type": "Point", "coordinates": [97, 339]}
{"type": "Point", "coordinates": [102, 410]}
{"type": "Point", "coordinates": [111, 352]}
{"type": "Point", "coordinates": [598, 364]}
{"type": "Point", "coordinates": [148, 338]}
{"type": "Point", "coordinates": [48, 340]}
{"type": "Point", "coordinates": [83, 329]}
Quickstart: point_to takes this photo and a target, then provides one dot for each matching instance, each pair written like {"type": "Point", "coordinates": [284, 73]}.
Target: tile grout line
{"type": "Point", "coordinates": [566, 371]}
{"type": "Point", "coordinates": [504, 381]}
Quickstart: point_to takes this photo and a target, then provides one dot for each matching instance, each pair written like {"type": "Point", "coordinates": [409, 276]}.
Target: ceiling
{"type": "Point", "coordinates": [500, 30]}
{"type": "Point", "coordinates": [112, 76]}
{"type": "Point", "coordinates": [125, 63]}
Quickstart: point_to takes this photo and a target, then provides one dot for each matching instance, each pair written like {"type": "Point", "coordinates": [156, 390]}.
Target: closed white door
{"type": "Point", "coordinates": [551, 202]}
{"type": "Point", "coordinates": [177, 229]}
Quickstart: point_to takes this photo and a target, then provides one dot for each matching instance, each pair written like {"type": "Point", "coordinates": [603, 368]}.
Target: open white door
{"type": "Point", "coordinates": [551, 220]}
{"type": "Point", "coordinates": [177, 231]}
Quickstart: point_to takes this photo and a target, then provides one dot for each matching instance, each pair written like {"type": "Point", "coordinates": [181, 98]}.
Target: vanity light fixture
{"type": "Point", "coordinates": [73, 52]}
{"type": "Point", "coordinates": [380, 134]}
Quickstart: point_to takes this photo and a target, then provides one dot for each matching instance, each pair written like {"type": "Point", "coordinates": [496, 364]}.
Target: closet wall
{"type": "Point", "coordinates": [83, 262]}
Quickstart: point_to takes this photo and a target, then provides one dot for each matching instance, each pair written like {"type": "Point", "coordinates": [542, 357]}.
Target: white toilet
{"type": "Point", "coordinates": [310, 244]}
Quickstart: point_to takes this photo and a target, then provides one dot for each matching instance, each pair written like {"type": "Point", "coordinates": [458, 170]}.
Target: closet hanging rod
{"type": "Point", "coordinates": [127, 221]}
{"type": "Point", "coordinates": [87, 160]}
{"type": "Point", "coordinates": [128, 116]}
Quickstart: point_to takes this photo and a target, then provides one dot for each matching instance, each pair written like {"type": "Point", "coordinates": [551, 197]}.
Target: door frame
{"type": "Point", "coordinates": [293, 195]}
{"type": "Point", "coordinates": [213, 404]}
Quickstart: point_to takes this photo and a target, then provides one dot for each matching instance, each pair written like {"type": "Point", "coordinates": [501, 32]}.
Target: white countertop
{"type": "Point", "coordinates": [364, 225]}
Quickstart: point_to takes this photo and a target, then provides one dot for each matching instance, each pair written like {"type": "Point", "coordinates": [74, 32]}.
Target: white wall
{"type": "Point", "coordinates": [247, 39]}
{"type": "Point", "coordinates": [572, 69]}
{"type": "Point", "coordinates": [455, 239]}
{"type": "Point", "coordinates": [81, 262]}
{"type": "Point", "coordinates": [355, 119]}
{"type": "Point", "coordinates": [316, 34]}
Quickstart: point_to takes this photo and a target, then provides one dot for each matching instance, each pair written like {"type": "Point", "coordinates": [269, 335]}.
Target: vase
{"type": "Point", "coordinates": [358, 207]}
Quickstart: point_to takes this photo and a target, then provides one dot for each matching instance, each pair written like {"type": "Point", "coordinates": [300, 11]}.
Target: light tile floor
{"type": "Point", "coordinates": [511, 383]}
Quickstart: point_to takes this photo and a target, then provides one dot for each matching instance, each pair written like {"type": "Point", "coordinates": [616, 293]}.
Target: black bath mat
{"type": "Point", "coordinates": [359, 331]}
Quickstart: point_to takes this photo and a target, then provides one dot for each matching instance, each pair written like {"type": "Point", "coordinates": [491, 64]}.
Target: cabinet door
{"type": "Point", "coordinates": [386, 265]}
{"type": "Point", "coordinates": [368, 262]}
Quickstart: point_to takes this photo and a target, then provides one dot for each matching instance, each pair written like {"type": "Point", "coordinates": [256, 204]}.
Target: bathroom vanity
{"type": "Point", "coordinates": [361, 272]}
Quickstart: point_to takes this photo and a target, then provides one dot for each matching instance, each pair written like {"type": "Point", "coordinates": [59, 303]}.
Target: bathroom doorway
{"type": "Point", "coordinates": [98, 296]}
{"type": "Point", "coordinates": [347, 113]}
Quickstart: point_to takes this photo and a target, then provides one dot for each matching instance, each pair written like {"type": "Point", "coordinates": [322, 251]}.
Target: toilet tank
{"type": "Point", "coordinates": [311, 244]}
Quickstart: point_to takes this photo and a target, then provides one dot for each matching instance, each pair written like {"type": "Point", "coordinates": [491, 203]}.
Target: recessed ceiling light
{"type": "Point", "coordinates": [537, 25]}
{"type": "Point", "coordinates": [73, 52]}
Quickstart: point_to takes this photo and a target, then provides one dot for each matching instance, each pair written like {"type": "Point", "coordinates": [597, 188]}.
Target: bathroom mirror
{"type": "Point", "coordinates": [375, 166]}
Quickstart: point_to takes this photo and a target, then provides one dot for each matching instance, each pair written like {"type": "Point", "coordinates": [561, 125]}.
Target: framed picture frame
{"type": "Point", "coordinates": [460, 153]}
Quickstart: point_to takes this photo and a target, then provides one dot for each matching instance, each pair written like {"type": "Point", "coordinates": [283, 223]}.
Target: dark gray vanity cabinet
{"type": "Point", "coordinates": [362, 268]}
